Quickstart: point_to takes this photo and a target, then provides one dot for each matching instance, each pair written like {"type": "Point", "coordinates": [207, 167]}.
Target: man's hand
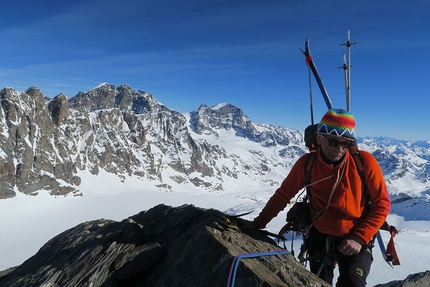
{"type": "Point", "coordinates": [350, 245]}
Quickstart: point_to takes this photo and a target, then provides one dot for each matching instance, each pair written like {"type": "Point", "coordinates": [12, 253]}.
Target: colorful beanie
{"type": "Point", "coordinates": [338, 123]}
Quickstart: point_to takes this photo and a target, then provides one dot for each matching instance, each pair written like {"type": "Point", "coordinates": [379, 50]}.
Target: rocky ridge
{"type": "Point", "coordinates": [164, 246]}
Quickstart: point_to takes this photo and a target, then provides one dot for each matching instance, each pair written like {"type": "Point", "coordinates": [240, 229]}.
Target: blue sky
{"type": "Point", "coordinates": [246, 53]}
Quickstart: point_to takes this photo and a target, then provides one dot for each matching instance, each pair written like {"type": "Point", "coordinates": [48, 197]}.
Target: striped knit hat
{"type": "Point", "coordinates": [338, 123]}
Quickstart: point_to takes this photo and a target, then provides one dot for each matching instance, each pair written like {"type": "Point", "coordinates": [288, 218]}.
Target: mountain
{"type": "Point", "coordinates": [48, 143]}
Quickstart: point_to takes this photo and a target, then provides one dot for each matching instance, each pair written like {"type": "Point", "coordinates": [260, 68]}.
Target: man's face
{"type": "Point", "coordinates": [333, 147]}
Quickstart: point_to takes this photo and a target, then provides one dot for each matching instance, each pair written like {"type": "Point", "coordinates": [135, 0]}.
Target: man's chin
{"type": "Point", "coordinates": [336, 158]}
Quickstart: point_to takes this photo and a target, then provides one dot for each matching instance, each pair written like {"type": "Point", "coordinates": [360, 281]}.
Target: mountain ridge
{"type": "Point", "coordinates": [128, 133]}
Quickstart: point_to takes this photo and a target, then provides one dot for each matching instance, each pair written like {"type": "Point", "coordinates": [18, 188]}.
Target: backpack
{"type": "Point", "coordinates": [311, 137]}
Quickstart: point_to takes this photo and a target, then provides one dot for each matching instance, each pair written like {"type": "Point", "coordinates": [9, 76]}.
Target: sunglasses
{"type": "Point", "coordinates": [336, 143]}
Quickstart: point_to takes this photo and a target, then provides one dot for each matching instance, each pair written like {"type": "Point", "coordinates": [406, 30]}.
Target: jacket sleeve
{"type": "Point", "coordinates": [282, 196]}
{"type": "Point", "coordinates": [379, 200]}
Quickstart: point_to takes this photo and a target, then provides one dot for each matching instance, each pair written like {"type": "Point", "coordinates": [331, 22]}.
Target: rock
{"type": "Point", "coordinates": [413, 280]}
{"type": "Point", "coordinates": [58, 108]}
{"type": "Point", "coordinates": [164, 246]}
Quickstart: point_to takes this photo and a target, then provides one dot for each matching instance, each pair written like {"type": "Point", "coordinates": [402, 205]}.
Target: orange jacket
{"type": "Point", "coordinates": [348, 213]}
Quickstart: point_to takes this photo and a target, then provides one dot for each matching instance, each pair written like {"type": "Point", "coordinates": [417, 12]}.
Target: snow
{"type": "Point", "coordinates": [219, 106]}
{"type": "Point", "coordinates": [100, 85]}
{"type": "Point", "coordinates": [28, 222]}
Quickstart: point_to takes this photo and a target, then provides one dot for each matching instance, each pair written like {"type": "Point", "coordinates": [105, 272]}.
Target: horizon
{"type": "Point", "coordinates": [245, 53]}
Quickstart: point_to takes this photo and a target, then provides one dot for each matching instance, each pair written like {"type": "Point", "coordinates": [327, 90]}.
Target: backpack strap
{"type": "Point", "coordinates": [359, 163]}
{"type": "Point", "coordinates": [308, 169]}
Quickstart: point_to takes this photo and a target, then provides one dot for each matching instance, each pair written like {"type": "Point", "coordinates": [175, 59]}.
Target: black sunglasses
{"type": "Point", "coordinates": [336, 143]}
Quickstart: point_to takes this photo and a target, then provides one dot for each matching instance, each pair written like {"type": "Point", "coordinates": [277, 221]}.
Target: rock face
{"type": "Point", "coordinates": [45, 143]}
{"type": "Point", "coordinates": [414, 280]}
{"type": "Point", "coordinates": [34, 156]}
{"type": "Point", "coordinates": [164, 246]}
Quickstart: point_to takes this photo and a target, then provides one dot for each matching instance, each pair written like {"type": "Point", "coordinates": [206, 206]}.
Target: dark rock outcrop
{"type": "Point", "coordinates": [58, 108]}
{"type": "Point", "coordinates": [414, 280]}
{"type": "Point", "coordinates": [164, 246]}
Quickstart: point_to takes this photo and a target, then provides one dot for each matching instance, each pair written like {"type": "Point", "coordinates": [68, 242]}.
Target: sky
{"type": "Point", "coordinates": [245, 53]}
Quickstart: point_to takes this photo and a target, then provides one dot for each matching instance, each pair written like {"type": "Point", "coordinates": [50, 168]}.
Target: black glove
{"type": "Point", "coordinates": [246, 224]}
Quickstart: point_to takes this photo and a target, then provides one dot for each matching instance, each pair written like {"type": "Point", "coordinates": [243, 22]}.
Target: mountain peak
{"type": "Point", "coordinates": [221, 116]}
{"type": "Point", "coordinates": [101, 85]}
{"type": "Point", "coordinates": [220, 106]}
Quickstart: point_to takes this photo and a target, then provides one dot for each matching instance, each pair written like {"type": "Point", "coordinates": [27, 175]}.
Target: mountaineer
{"type": "Point", "coordinates": [344, 217]}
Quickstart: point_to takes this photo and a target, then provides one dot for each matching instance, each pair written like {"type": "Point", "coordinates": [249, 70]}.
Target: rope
{"type": "Point", "coordinates": [340, 172]}
{"type": "Point", "coordinates": [236, 260]}
{"type": "Point", "coordinates": [336, 183]}
{"type": "Point", "coordinates": [338, 179]}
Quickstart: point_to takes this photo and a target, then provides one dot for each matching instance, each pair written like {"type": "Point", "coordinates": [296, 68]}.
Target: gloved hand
{"type": "Point", "coordinates": [246, 224]}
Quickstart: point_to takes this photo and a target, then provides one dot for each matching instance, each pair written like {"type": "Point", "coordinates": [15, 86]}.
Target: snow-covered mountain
{"type": "Point", "coordinates": [46, 144]}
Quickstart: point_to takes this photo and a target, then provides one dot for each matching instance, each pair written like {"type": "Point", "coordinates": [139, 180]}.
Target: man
{"type": "Point", "coordinates": [344, 220]}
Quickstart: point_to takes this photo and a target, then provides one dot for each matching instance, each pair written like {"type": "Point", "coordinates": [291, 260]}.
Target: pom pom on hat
{"type": "Point", "coordinates": [338, 123]}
